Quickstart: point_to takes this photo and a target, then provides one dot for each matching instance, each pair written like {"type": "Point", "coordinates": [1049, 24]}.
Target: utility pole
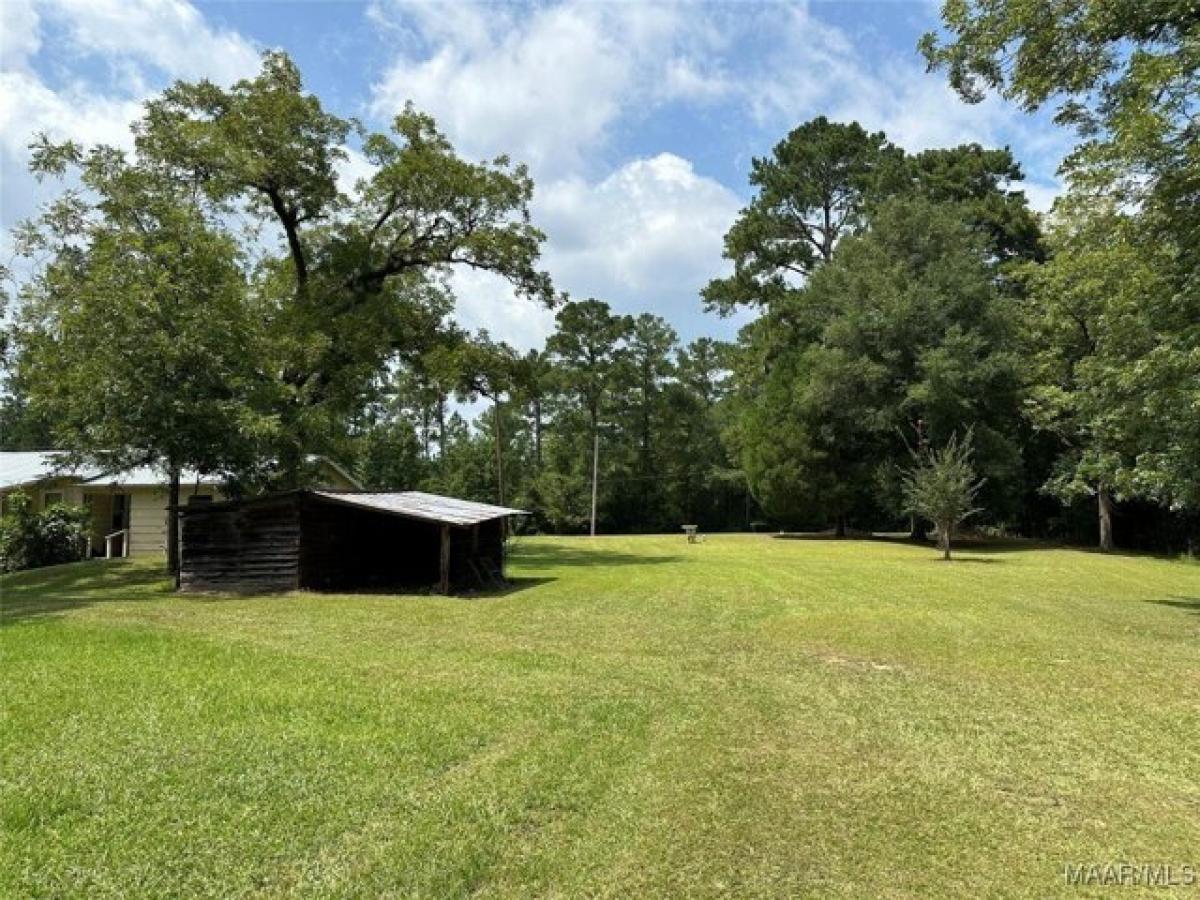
{"type": "Point", "coordinates": [499, 450]}
{"type": "Point", "coordinates": [595, 473]}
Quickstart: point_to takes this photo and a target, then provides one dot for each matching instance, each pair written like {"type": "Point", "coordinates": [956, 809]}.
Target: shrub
{"type": "Point", "coordinates": [28, 540]}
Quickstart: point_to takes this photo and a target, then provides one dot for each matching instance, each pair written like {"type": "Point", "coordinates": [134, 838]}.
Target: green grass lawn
{"type": "Point", "coordinates": [747, 716]}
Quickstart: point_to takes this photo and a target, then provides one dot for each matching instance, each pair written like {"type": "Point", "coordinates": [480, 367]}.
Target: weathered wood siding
{"type": "Point", "coordinates": [301, 540]}
{"type": "Point", "coordinates": [243, 548]}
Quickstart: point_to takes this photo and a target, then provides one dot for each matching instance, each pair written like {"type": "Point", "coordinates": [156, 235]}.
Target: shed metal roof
{"type": "Point", "coordinates": [420, 505]}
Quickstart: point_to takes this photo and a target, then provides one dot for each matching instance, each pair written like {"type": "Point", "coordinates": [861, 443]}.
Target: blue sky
{"type": "Point", "coordinates": [638, 120]}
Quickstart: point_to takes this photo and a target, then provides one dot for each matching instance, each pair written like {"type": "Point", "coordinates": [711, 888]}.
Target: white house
{"type": "Point", "coordinates": [129, 509]}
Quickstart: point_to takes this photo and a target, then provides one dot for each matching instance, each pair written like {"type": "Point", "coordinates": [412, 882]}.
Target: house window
{"type": "Point", "coordinates": [49, 498]}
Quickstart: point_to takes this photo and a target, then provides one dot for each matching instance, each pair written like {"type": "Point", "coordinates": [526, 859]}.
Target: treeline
{"type": "Point", "coordinates": [905, 300]}
{"type": "Point", "coordinates": [613, 399]}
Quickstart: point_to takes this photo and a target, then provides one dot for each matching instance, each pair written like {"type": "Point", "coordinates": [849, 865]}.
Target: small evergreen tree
{"type": "Point", "coordinates": [941, 487]}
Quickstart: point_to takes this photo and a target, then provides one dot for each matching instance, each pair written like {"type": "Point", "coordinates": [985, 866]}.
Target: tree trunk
{"type": "Point", "coordinates": [441, 420]}
{"type": "Point", "coordinates": [595, 474]}
{"type": "Point", "coordinates": [499, 454]}
{"type": "Point", "coordinates": [537, 433]}
{"type": "Point", "coordinates": [172, 524]}
{"type": "Point", "coordinates": [944, 540]}
{"type": "Point", "coordinates": [291, 461]}
{"type": "Point", "coordinates": [1105, 507]}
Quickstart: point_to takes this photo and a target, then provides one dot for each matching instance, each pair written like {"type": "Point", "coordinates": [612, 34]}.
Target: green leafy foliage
{"type": "Point", "coordinates": [941, 487]}
{"type": "Point", "coordinates": [29, 539]}
{"type": "Point", "coordinates": [311, 326]}
{"type": "Point", "coordinates": [1124, 73]}
{"type": "Point", "coordinates": [812, 190]}
{"type": "Point", "coordinates": [904, 328]}
{"type": "Point", "coordinates": [1115, 343]}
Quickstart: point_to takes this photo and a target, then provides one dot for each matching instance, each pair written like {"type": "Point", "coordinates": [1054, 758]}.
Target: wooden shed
{"type": "Point", "coordinates": [343, 541]}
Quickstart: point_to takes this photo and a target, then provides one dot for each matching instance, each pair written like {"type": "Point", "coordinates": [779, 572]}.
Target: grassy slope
{"type": "Point", "coordinates": [744, 716]}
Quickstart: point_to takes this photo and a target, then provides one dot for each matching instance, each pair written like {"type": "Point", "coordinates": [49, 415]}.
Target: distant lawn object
{"type": "Point", "coordinates": [692, 532]}
{"type": "Point", "coordinates": [344, 541]}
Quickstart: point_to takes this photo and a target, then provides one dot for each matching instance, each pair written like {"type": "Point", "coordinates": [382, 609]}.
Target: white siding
{"type": "Point", "coordinates": [148, 516]}
{"type": "Point", "coordinates": [147, 521]}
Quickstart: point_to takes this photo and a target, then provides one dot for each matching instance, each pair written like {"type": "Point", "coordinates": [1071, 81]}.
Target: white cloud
{"type": "Point", "coordinates": [1041, 195]}
{"type": "Point", "coordinates": [547, 86]}
{"type": "Point", "coordinates": [27, 106]}
{"type": "Point", "coordinates": [918, 110]}
{"type": "Point", "coordinates": [487, 301]}
{"type": "Point", "coordinates": [685, 79]}
{"type": "Point", "coordinates": [170, 35]}
{"type": "Point", "coordinates": [19, 37]}
{"type": "Point", "coordinates": [803, 64]}
{"type": "Point", "coordinates": [140, 40]}
{"type": "Point", "coordinates": [647, 237]}
{"type": "Point", "coordinates": [352, 169]}
{"type": "Point", "coordinates": [812, 68]}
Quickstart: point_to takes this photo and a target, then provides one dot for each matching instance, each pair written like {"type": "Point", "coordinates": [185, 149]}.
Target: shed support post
{"type": "Point", "coordinates": [445, 567]}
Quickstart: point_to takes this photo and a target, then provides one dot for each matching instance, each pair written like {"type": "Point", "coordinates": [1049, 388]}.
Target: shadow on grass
{"type": "Point", "coordinates": [972, 544]}
{"type": "Point", "coordinates": [552, 557]}
{"type": "Point", "coordinates": [513, 586]}
{"type": "Point", "coordinates": [961, 545]}
{"type": "Point", "coordinates": [1191, 604]}
{"type": "Point", "coordinates": [58, 589]}
{"type": "Point", "coordinates": [401, 592]}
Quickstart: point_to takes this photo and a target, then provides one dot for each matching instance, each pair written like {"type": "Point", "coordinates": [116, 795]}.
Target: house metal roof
{"type": "Point", "coordinates": [19, 468]}
{"type": "Point", "coordinates": [29, 467]}
{"type": "Point", "coordinates": [148, 476]}
{"type": "Point", "coordinates": [428, 507]}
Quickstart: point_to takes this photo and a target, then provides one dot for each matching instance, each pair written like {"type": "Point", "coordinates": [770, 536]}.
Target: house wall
{"type": "Point", "coordinates": [147, 522]}
{"type": "Point", "coordinates": [71, 491]}
{"type": "Point", "coordinates": [37, 492]}
{"type": "Point", "coordinates": [148, 516]}
{"type": "Point", "coordinates": [333, 480]}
